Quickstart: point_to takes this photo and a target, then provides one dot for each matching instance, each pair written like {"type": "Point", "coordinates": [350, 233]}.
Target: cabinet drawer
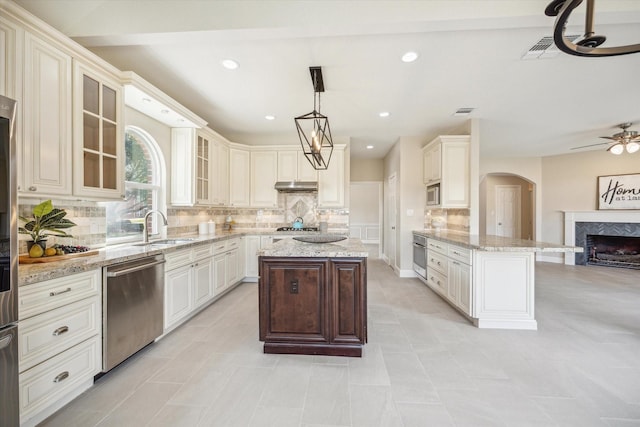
{"type": "Point", "coordinates": [233, 244]}
{"type": "Point", "coordinates": [437, 246]}
{"type": "Point", "coordinates": [460, 254]}
{"type": "Point", "coordinates": [219, 247]}
{"type": "Point", "coordinates": [47, 382]}
{"type": "Point", "coordinates": [50, 333]}
{"type": "Point", "coordinates": [50, 294]}
{"type": "Point", "coordinates": [177, 259]}
{"type": "Point", "coordinates": [437, 262]}
{"type": "Point", "coordinates": [203, 251]}
{"type": "Point", "coordinates": [437, 281]}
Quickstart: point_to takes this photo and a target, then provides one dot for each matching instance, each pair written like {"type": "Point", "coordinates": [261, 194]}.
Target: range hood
{"type": "Point", "coordinates": [296, 186]}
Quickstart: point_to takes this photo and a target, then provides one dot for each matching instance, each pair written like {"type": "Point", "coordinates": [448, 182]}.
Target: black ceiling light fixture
{"type": "Point", "coordinates": [313, 128]}
{"type": "Point", "coordinates": [588, 45]}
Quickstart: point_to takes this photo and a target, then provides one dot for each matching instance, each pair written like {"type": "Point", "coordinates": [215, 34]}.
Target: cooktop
{"type": "Point", "coordinates": [297, 229]}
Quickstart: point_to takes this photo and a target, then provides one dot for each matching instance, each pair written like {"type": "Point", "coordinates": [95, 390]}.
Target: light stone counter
{"type": "Point", "coordinates": [348, 248]}
{"type": "Point", "coordinates": [33, 273]}
{"type": "Point", "coordinates": [491, 243]}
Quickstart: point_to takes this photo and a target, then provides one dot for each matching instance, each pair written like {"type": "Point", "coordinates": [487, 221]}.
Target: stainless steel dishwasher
{"type": "Point", "coordinates": [132, 308]}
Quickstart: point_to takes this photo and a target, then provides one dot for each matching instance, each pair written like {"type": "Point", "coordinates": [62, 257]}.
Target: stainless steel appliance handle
{"type": "Point", "coordinates": [133, 269]}
{"type": "Point", "coordinates": [418, 245]}
{"type": "Point", "coordinates": [5, 341]}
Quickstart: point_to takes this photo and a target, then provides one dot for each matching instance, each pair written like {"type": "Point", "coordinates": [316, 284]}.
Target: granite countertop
{"type": "Point", "coordinates": [492, 243]}
{"type": "Point", "coordinates": [33, 273]}
{"type": "Point", "coordinates": [348, 248]}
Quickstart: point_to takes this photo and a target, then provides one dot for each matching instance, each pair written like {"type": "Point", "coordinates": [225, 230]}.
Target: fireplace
{"type": "Point", "coordinates": [619, 229]}
{"type": "Point", "coordinates": [613, 251]}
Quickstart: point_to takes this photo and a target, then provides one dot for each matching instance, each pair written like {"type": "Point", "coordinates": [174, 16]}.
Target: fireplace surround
{"type": "Point", "coordinates": [578, 225]}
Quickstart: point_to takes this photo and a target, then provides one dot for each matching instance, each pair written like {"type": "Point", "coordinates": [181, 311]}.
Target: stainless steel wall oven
{"type": "Point", "coordinates": [420, 255]}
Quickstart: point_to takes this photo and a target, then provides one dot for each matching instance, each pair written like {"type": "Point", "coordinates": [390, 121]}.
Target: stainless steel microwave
{"type": "Point", "coordinates": [433, 195]}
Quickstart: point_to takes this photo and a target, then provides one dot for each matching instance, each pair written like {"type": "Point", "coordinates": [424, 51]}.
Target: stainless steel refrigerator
{"type": "Point", "coordinates": [9, 409]}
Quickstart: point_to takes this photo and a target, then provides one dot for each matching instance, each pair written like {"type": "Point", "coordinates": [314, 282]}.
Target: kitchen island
{"type": "Point", "coordinates": [489, 279]}
{"type": "Point", "coordinates": [313, 297]}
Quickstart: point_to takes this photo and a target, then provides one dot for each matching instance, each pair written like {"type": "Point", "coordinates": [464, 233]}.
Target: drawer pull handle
{"type": "Point", "coordinates": [53, 294]}
{"type": "Point", "coordinates": [61, 330]}
{"type": "Point", "coordinates": [457, 253]}
{"type": "Point", "coordinates": [61, 377]}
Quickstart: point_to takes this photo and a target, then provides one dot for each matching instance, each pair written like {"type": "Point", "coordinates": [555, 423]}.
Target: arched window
{"type": "Point", "coordinates": [144, 178]}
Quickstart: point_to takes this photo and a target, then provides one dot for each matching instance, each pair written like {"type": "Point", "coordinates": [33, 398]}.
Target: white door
{"type": "Point", "coordinates": [508, 210]}
{"type": "Point", "coordinates": [392, 220]}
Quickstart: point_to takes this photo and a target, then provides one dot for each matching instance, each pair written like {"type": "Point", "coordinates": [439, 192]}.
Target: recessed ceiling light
{"type": "Point", "coordinates": [165, 111]}
{"type": "Point", "coordinates": [384, 114]}
{"type": "Point", "coordinates": [229, 64]}
{"type": "Point", "coordinates": [369, 147]}
{"type": "Point", "coordinates": [270, 117]}
{"type": "Point", "coordinates": [409, 57]}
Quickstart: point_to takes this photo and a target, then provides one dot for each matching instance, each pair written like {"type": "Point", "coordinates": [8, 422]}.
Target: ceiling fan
{"type": "Point", "coordinates": [628, 140]}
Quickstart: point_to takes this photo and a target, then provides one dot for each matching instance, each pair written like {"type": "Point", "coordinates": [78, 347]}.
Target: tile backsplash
{"type": "Point", "coordinates": [91, 229]}
{"type": "Point", "coordinates": [452, 219]}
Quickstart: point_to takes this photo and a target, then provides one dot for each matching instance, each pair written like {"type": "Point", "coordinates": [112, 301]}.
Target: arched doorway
{"type": "Point", "coordinates": [507, 206]}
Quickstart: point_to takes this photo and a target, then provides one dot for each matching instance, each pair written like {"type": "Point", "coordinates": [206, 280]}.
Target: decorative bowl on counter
{"type": "Point", "coordinates": [320, 238]}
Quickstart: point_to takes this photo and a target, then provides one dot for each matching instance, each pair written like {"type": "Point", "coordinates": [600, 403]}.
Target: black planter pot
{"type": "Point", "coordinates": [41, 243]}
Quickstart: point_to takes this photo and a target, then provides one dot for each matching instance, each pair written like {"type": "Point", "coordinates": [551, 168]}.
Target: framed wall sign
{"type": "Point", "coordinates": [619, 191]}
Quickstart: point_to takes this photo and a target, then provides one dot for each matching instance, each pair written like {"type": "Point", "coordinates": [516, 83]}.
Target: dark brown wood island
{"type": "Point", "coordinates": [313, 297]}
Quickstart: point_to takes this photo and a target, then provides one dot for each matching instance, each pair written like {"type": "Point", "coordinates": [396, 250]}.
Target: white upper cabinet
{"type": "Point", "coordinates": [331, 182]}
{"type": "Point", "coordinates": [294, 166]}
{"type": "Point", "coordinates": [432, 159]}
{"type": "Point", "coordinates": [264, 173]}
{"type": "Point", "coordinates": [46, 149]}
{"type": "Point", "coordinates": [199, 168]}
{"type": "Point", "coordinates": [239, 185]}
{"type": "Point", "coordinates": [446, 160]}
{"type": "Point", "coordinates": [98, 134]}
{"type": "Point", "coordinates": [220, 174]}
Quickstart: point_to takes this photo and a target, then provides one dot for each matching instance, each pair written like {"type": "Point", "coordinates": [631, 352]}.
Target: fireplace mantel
{"type": "Point", "coordinates": [571, 217]}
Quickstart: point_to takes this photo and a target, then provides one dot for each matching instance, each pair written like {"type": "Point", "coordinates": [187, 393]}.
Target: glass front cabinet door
{"type": "Point", "coordinates": [99, 135]}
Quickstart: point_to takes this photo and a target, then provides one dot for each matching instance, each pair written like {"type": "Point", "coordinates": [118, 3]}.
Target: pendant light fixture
{"type": "Point", "coordinates": [588, 45]}
{"type": "Point", "coordinates": [313, 128]}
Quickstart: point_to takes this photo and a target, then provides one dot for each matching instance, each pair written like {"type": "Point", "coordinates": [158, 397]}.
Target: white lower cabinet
{"type": "Point", "coordinates": [195, 276]}
{"type": "Point", "coordinates": [178, 302]}
{"type": "Point", "coordinates": [188, 283]}
{"type": "Point", "coordinates": [60, 342]}
{"type": "Point", "coordinates": [449, 273]}
{"type": "Point", "coordinates": [252, 245]}
{"type": "Point", "coordinates": [495, 289]}
{"type": "Point", "coordinates": [227, 264]}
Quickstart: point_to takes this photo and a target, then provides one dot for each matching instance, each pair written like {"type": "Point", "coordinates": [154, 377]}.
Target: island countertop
{"type": "Point", "coordinates": [492, 243]}
{"type": "Point", "coordinates": [348, 248]}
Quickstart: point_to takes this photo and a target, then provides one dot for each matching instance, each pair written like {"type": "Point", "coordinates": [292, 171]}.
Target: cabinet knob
{"type": "Point", "coordinates": [32, 188]}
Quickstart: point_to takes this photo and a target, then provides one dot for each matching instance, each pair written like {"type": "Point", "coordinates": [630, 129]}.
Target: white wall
{"type": "Point", "coordinates": [367, 170]}
{"type": "Point", "coordinates": [405, 159]}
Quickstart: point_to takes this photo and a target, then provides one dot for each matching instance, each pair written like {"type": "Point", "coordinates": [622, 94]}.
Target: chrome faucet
{"type": "Point", "coordinates": [145, 229]}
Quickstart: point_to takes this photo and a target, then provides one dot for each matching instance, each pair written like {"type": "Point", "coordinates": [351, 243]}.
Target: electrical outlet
{"type": "Point", "coordinates": [293, 289]}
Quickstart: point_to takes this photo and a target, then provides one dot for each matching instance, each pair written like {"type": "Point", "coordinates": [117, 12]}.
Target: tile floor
{"type": "Point", "coordinates": [424, 365]}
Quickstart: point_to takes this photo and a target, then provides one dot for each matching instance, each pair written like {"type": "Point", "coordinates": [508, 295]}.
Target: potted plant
{"type": "Point", "coordinates": [46, 221]}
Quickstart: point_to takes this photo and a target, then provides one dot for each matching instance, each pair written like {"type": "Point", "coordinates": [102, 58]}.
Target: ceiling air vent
{"type": "Point", "coordinates": [465, 111]}
{"type": "Point", "coordinates": [545, 48]}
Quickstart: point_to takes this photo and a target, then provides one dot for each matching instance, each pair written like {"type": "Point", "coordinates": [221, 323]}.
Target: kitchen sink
{"type": "Point", "coordinates": [165, 242]}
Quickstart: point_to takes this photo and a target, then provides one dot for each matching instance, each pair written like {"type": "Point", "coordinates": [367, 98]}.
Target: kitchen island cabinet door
{"type": "Point", "coordinates": [293, 301]}
{"type": "Point", "coordinates": [348, 325]}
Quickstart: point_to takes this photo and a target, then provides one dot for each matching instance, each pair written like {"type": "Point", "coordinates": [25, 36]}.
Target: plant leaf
{"type": "Point", "coordinates": [43, 208]}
